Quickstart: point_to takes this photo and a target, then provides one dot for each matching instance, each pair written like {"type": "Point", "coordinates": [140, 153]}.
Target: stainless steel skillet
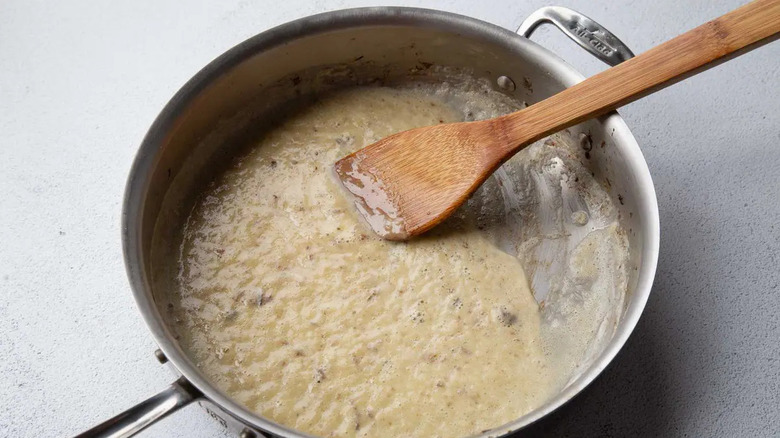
{"type": "Point", "coordinates": [259, 76]}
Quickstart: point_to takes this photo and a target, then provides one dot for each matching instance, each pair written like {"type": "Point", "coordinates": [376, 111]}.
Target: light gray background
{"type": "Point", "coordinates": [80, 82]}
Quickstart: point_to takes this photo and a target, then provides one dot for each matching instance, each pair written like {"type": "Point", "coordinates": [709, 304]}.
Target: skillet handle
{"type": "Point", "coordinates": [590, 35]}
{"type": "Point", "coordinates": [128, 423]}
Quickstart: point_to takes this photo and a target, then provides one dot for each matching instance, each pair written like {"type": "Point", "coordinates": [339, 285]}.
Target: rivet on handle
{"type": "Point", "coordinates": [160, 356]}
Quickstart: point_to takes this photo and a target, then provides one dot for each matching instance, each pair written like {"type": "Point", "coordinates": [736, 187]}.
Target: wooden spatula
{"type": "Point", "coordinates": [406, 183]}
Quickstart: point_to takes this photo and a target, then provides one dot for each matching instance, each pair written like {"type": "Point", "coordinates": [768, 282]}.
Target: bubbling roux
{"type": "Point", "coordinates": [289, 303]}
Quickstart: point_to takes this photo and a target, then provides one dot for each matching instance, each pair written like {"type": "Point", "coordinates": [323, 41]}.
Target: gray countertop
{"type": "Point", "coordinates": [80, 82]}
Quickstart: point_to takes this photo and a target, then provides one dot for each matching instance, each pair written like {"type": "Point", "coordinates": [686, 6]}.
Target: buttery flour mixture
{"type": "Point", "coordinates": [292, 306]}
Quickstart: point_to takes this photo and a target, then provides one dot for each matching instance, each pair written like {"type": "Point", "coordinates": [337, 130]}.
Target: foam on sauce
{"type": "Point", "coordinates": [292, 306]}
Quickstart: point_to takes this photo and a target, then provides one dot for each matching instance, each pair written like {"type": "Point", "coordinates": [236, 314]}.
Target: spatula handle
{"type": "Point", "coordinates": [723, 38]}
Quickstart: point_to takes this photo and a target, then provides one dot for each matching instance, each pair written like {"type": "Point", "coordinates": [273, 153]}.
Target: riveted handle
{"type": "Point", "coordinates": [590, 35]}
{"type": "Point", "coordinates": [730, 35]}
{"type": "Point", "coordinates": [128, 423]}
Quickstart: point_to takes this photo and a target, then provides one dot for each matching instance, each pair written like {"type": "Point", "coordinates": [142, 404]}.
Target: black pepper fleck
{"type": "Point", "coordinates": [507, 318]}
